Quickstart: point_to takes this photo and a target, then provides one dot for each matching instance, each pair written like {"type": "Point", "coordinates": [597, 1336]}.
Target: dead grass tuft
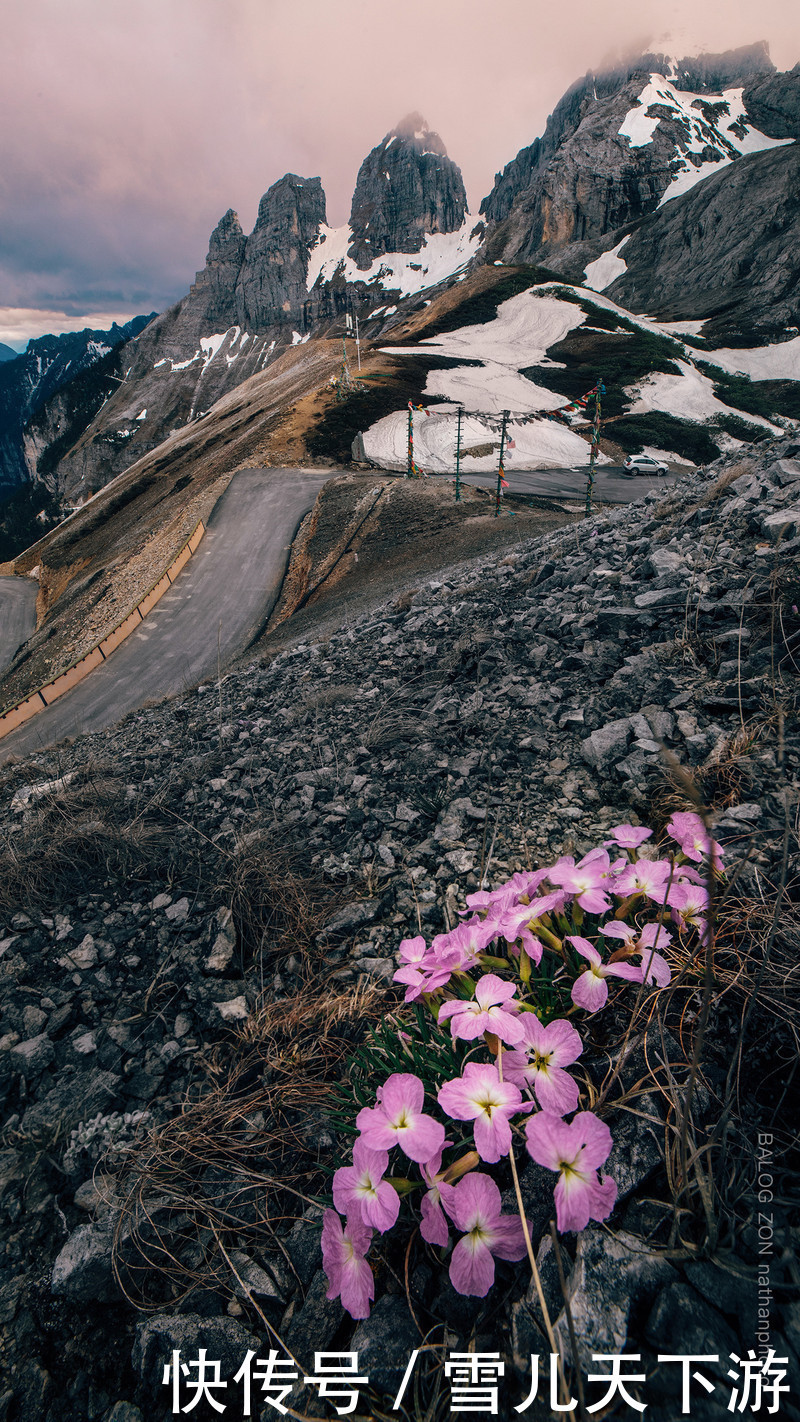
{"type": "Point", "coordinates": [276, 903]}
{"type": "Point", "coordinates": [722, 780]}
{"type": "Point", "coordinates": [728, 477]}
{"type": "Point", "coordinates": [78, 833]}
{"type": "Point", "coordinates": [247, 1156]}
{"type": "Point", "coordinates": [405, 600]}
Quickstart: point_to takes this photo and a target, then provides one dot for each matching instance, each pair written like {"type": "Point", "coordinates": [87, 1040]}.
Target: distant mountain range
{"type": "Point", "coordinates": [31, 381]}
{"type": "Point", "coordinates": [668, 185]}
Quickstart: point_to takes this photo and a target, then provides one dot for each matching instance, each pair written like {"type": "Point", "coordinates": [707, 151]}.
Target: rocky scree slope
{"type": "Point", "coordinates": [514, 709]}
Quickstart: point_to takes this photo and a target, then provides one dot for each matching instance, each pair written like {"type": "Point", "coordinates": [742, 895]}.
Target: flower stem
{"type": "Point", "coordinates": [537, 1279]}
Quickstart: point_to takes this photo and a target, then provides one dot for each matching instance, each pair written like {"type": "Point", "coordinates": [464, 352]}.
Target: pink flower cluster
{"type": "Point", "coordinates": [541, 910]}
{"type": "Point", "coordinates": [369, 1201]}
{"type": "Point", "coordinates": [525, 1086]}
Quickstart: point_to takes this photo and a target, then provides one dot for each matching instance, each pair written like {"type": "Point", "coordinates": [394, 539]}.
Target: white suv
{"type": "Point", "coordinates": [643, 464]}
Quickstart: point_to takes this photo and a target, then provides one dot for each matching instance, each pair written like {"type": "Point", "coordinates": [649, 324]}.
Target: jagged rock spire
{"type": "Point", "coordinates": [406, 187]}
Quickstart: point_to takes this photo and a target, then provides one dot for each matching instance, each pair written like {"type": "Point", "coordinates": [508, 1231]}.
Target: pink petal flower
{"type": "Point", "coordinates": [476, 1209]}
{"type": "Point", "coordinates": [646, 876]}
{"type": "Point", "coordinates": [413, 950]}
{"type": "Point", "coordinates": [586, 880]}
{"type": "Point", "coordinates": [614, 928]}
{"type": "Point", "coordinates": [414, 980]}
{"type": "Point", "coordinates": [344, 1262]}
{"type": "Point", "coordinates": [487, 1013]}
{"type": "Point", "coordinates": [575, 1149]}
{"type": "Point", "coordinates": [540, 1064]}
{"type": "Point", "coordinates": [693, 837]}
{"type": "Point", "coordinates": [655, 969]}
{"type": "Point", "coordinates": [590, 989]}
{"type": "Point", "coordinates": [360, 1188]}
{"type": "Point", "coordinates": [462, 946]}
{"type": "Point", "coordinates": [628, 836]}
{"type": "Point", "coordinates": [685, 871]}
{"type": "Point", "coordinates": [439, 1194]}
{"type": "Point", "coordinates": [398, 1119]}
{"type": "Point", "coordinates": [479, 1095]}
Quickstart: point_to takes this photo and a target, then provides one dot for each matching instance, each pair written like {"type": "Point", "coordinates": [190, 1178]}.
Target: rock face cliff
{"type": "Point", "coordinates": [697, 258]}
{"type": "Point", "coordinates": [272, 282]}
{"type": "Point", "coordinates": [407, 187]}
{"type": "Point", "coordinates": [257, 283]}
{"type": "Point", "coordinates": [616, 143]}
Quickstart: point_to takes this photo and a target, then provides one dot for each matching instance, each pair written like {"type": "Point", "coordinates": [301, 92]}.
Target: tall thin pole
{"type": "Point", "coordinates": [458, 453]}
{"type": "Point", "coordinates": [358, 345]}
{"type": "Point", "coordinates": [500, 469]}
{"type": "Point", "coordinates": [599, 392]}
{"type": "Point", "coordinates": [410, 469]}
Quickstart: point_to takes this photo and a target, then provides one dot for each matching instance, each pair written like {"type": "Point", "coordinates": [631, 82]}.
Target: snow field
{"type": "Point", "coordinates": [689, 395]}
{"type": "Point", "coordinates": [543, 444]}
{"type": "Point", "coordinates": [606, 268]}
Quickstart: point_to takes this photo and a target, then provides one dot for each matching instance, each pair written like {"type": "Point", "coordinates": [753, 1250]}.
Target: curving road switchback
{"type": "Point", "coordinates": [218, 604]}
{"type": "Point", "coordinates": [17, 615]}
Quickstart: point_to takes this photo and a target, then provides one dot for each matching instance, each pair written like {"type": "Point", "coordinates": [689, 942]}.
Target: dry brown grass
{"type": "Point", "coordinates": [247, 1155]}
{"type": "Point", "coordinates": [277, 905]}
{"type": "Point", "coordinates": [719, 782]}
{"type": "Point", "coordinates": [405, 600]}
{"type": "Point", "coordinates": [79, 833]}
{"type": "Point", "coordinates": [728, 477]}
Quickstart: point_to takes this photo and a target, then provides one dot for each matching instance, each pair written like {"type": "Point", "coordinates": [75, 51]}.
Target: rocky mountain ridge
{"type": "Point", "coordinates": [258, 294]}
{"type": "Point", "coordinates": [639, 181]}
{"type": "Point", "coordinates": [407, 187]}
{"type": "Point", "coordinates": [617, 141]}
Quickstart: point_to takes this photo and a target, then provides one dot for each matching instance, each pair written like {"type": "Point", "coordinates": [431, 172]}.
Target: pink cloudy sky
{"type": "Point", "coordinates": [130, 126]}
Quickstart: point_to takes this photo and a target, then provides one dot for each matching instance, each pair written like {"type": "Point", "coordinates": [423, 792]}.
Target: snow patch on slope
{"type": "Point", "coordinates": [606, 268]}
{"type": "Point", "coordinates": [210, 347]}
{"type": "Point", "coordinates": [689, 395]}
{"type": "Point", "coordinates": [519, 336]}
{"type": "Point", "coordinates": [542, 444]}
{"type": "Point", "coordinates": [441, 256]}
{"type": "Point", "coordinates": [491, 387]}
{"type": "Point", "coordinates": [778, 362]}
{"type": "Point", "coordinates": [716, 122]}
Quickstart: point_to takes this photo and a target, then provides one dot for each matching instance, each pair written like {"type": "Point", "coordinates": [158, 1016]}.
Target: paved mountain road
{"type": "Point", "coordinates": [611, 486]}
{"type": "Point", "coordinates": [217, 605]}
{"type": "Point", "coordinates": [17, 615]}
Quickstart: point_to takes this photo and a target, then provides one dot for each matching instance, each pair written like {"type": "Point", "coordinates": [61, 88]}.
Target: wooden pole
{"type": "Point", "coordinates": [410, 469]}
{"type": "Point", "coordinates": [500, 470]}
{"type": "Point", "coordinates": [458, 454]}
{"type": "Point", "coordinates": [599, 392]}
